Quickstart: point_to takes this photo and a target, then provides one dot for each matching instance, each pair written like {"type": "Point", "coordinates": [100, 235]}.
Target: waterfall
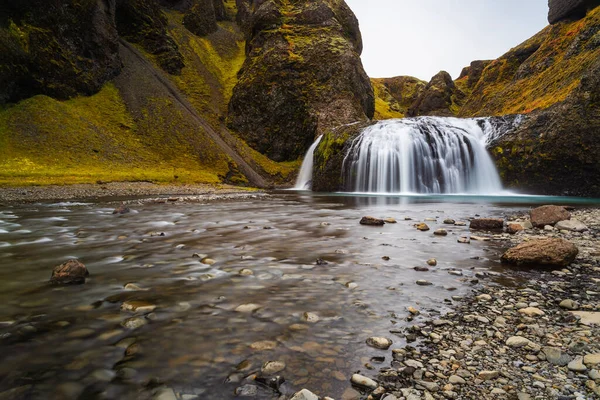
{"type": "Point", "coordinates": [424, 155]}
{"type": "Point", "coordinates": [304, 181]}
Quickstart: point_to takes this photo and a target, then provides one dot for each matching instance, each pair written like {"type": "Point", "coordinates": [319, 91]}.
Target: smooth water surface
{"type": "Point", "coordinates": [69, 342]}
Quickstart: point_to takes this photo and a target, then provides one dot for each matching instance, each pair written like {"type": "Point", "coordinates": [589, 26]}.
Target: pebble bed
{"type": "Point", "coordinates": [537, 340]}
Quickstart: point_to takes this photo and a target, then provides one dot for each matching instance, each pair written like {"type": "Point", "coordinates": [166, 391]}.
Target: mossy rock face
{"type": "Point", "coordinates": [143, 22]}
{"type": "Point", "coordinates": [394, 96]}
{"type": "Point", "coordinates": [302, 75]}
{"type": "Point", "coordinates": [328, 170]}
{"type": "Point", "coordinates": [557, 151]}
{"type": "Point", "coordinates": [201, 18]}
{"type": "Point", "coordinates": [559, 10]}
{"type": "Point", "coordinates": [440, 97]}
{"type": "Point", "coordinates": [59, 48]}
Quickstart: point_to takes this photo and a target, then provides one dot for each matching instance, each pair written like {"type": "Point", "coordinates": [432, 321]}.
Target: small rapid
{"type": "Point", "coordinates": [431, 155]}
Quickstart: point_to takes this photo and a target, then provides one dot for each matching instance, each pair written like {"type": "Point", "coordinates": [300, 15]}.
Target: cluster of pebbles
{"type": "Point", "coordinates": [535, 340]}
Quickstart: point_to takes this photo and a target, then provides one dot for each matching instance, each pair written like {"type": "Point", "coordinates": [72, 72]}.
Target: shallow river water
{"type": "Point", "coordinates": [72, 342]}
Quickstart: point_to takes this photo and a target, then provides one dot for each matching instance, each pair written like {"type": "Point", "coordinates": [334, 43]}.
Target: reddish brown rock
{"type": "Point", "coordinates": [553, 252]}
{"type": "Point", "coordinates": [487, 224]}
{"type": "Point", "coordinates": [122, 209]}
{"type": "Point", "coordinates": [72, 272]}
{"type": "Point", "coordinates": [548, 215]}
{"type": "Point", "coordinates": [372, 221]}
{"type": "Point", "coordinates": [513, 228]}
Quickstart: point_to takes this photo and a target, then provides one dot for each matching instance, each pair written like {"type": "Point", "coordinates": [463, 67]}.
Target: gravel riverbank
{"type": "Point", "coordinates": [536, 340]}
{"type": "Point", "coordinates": [116, 190]}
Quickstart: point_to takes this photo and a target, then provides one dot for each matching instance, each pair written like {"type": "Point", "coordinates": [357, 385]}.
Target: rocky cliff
{"type": "Point", "coordinates": [560, 10]}
{"type": "Point", "coordinates": [302, 76]}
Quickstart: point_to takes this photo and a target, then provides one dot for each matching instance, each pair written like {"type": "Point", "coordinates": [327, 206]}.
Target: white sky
{"type": "Point", "coordinates": [422, 37]}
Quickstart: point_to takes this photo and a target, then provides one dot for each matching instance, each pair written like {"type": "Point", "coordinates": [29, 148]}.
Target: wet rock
{"type": "Point", "coordinates": [413, 311]}
{"type": "Point", "coordinates": [390, 221]}
{"type": "Point", "coordinates": [137, 306]}
{"type": "Point", "coordinates": [122, 209]}
{"type": "Point", "coordinates": [363, 381]}
{"type": "Point", "coordinates": [513, 228]}
{"type": "Point", "coordinates": [572, 225]}
{"type": "Point", "coordinates": [72, 272]}
{"type": "Point", "coordinates": [552, 252]}
{"type": "Point", "coordinates": [305, 394]}
{"type": "Point", "coordinates": [449, 221]}
{"type": "Point", "coordinates": [422, 227]}
{"type": "Point", "coordinates": [548, 215]}
{"type": "Point", "coordinates": [440, 232]}
{"type": "Point", "coordinates": [263, 345]}
{"type": "Point", "coordinates": [379, 343]}
{"type": "Point", "coordinates": [372, 221]}
{"type": "Point", "coordinates": [133, 286]}
{"type": "Point", "coordinates": [486, 224]}
{"type": "Point", "coordinates": [556, 356]}
{"type": "Point", "coordinates": [272, 367]}
{"type": "Point", "coordinates": [208, 261]}
{"type": "Point", "coordinates": [310, 317]}
{"type": "Point", "coordinates": [422, 282]}
{"type": "Point", "coordinates": [247, 308]}
{"type": "Point", "coordinates": [432, 262]}
{"type": "Point", "coordinates": [247, 391]}
{"type": "Point", "coordinates": [321, 262]}
{"type": "Point", "coordinates": [246, 272]}
{"type": "Point", "coordinates": [569, 304]}
{"type": "Point", "coordinates": [421, 269]}
{"type": "Point", "coordinates": [464, 240]}
{"type": "Point", "coordinates": [480, 238]}
{"type": "Point", "coordinates": [134, 323]}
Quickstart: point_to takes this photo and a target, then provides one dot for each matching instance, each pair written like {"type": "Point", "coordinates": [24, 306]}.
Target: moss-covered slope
{"type": "Point", "coordinates": [394, 96]}
{"type": "Point", "coordinates": [145, 124]}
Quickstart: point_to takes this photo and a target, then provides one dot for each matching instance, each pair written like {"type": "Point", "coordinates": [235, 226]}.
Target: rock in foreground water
{"type": "Point", "coordinates": [552, 252]}
{"type": "Point", "coordinates": [72, 272]}
{"type": "Point", "coordinates": [487, 224]}
{"type": "Point", "coordinates": [548, 215]}
{"type": "Point", "coordinates": [372, 221]}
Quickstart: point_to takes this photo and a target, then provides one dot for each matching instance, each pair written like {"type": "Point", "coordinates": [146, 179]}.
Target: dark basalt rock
{"type": "Point", "coordinates": [72, 272]}
{"type": "Point", "coordinates": [372, 221]}
{"type": "Point", "coordinates": [143, 22]}
{"type": "Point", "coordinates": [487, 224]}
{"type": "Point", "coordinates": [437, 97]}
{"type": "Point", "coordinates": [201, 19]}
{"type": "Point", "coordinates": [59, 48]}
{"type": "Point", "coordinates": [560, 10]}
{"type": "Point", "coordinates": [302, 76]}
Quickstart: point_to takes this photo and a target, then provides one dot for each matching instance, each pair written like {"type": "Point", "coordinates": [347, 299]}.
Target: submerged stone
{"type": "Point", "coordinates": [72, 272]}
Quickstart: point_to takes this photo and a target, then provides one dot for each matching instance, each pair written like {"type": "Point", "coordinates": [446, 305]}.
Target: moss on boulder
{"type": "Point", "coordinates": [302, 75]}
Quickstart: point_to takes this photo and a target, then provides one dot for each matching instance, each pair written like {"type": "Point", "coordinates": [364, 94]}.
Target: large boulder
{"type": "Point", "coordinates": [553, 252]}
{"type": "Point", "coordinates": [72, 272]}
{"type": "Point", "coordinates": [559, 10]}
{"type": "Point", "coordinates": [440, 98]}
{"type": "Point", "coordinates": [302, 76]}
{"type": "Point", "coordinates": [58, 48]}
{"type": "Point", "coordinates": [548, 215]}
{"type": "Point", "coordinates": [201, 18]}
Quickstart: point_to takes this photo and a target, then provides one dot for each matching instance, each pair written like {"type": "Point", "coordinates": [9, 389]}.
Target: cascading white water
{"type": "Point", "coordinates": [424, 155]}
{"type": "Point", "coordinates": [304, 180]}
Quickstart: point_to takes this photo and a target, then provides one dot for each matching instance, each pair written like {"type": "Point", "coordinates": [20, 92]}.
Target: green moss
{"type": "Point", "coordinates": [45, 141]}
{"type": "Point", "coordinates": [541, 72]}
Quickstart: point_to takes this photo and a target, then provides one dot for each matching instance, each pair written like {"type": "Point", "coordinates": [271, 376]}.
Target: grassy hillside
{"type": "Point", "coordinates": [135, 128]}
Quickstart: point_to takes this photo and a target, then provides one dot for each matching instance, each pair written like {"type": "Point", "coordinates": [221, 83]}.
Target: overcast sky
{"type": "Point", "coordinates": [422, 37]}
